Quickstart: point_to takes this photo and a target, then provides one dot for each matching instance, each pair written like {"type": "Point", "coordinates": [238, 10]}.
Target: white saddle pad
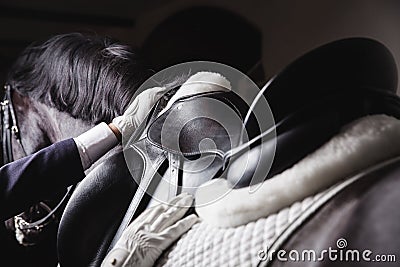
{"type": "Point", "coordinates": [208, 246]}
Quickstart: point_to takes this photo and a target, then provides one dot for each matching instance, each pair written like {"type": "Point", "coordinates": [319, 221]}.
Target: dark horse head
{"type": "Point", "coordinates": [65, 85]}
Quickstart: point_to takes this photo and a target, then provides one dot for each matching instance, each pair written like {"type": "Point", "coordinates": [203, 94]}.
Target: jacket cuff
{"type": "Point", "coordinates": [94, 143]}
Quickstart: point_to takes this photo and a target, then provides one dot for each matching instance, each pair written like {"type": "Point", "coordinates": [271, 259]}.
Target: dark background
{"type": "Point", "coordinates": [259, 37]}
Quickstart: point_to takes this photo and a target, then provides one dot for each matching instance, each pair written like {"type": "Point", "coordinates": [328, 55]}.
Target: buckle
{"type": "Point", "coordinates": [4, 103]}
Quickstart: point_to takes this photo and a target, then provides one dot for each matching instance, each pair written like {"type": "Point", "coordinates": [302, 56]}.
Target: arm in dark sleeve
{"type": "Point", "coordinates": [30, 179]}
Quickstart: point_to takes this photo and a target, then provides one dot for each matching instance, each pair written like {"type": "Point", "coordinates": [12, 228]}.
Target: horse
{"type": "Point", "coordinates": [60, 88]}
{"type": "Point", "coordinates": [312, 116]}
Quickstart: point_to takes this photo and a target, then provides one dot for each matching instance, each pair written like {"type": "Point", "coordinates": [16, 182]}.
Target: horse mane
{"type": "Point", "coordinates": [90, 77]}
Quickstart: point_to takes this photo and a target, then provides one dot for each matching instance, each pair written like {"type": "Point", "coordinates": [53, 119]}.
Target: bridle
{"type": "Point", "coordinates": [26, 229]}
{"type": "Point", "coordinates": [9, 127]}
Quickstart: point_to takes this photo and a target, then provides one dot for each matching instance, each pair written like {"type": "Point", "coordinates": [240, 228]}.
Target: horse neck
{"type": "Point", "coordinates": [60, 125]}
{"type": "Point", "coordinates": [64, 126]}
{"type": "Point", "coordinates": [42, 126]}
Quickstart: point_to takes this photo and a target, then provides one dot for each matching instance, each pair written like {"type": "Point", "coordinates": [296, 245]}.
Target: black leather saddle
{"type": "Point", "coordinates": [170, 153]}
{"type": "Point", "coordinates": [182, 148]}
{"type": "Point", "coordinates": [311, 100]}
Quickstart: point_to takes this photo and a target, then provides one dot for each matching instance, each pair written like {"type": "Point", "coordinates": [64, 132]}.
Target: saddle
{"type": "Point", "coordinates": [171, 152]}
{"type": "Point", "coordinates": [180, 149]}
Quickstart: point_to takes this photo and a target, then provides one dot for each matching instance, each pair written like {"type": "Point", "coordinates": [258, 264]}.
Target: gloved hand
{"type": "Point", "coordinates": [151, 233]}
{"type": "Point", "coordinates": [138, 110]}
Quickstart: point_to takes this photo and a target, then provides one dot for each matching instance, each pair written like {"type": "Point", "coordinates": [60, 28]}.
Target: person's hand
{"type": "Point", "coordinates": [137, 111]}
{"type": "Point", "coordinates": [200, 82]}
{"type": "Point", "coordinates": [151, 233]}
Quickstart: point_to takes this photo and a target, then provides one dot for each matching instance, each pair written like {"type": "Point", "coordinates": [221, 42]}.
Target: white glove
{"type": "Point", "coordinates": [138, 110]}
{"type": "Point", "coordinates": [151, 233]}
{"type": "Point", "coordinates": [201, 82]}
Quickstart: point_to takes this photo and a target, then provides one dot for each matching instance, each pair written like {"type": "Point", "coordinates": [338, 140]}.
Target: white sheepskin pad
{"type": "Point", "coordinates": [360, 144]}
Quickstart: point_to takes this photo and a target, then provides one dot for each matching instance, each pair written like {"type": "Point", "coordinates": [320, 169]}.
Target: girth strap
{"type": "Point", "coordinates": [174, 167]}
{"type": "Point", "coordinates": [149, 178]}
